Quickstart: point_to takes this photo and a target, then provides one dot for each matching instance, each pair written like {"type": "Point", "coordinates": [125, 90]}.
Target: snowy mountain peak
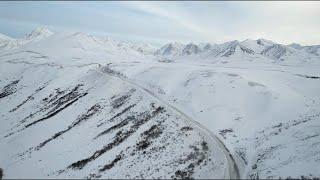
{"type": "Point", "coordinates": [263, 41]}
{"type": "Point", "coordinates": [4, 37]}
{"type": "Point", "coordinates": [170, 49]}
{"type": "Point", "coordinates": [230, 48]}
{"type": "Point", "coordinates": [191, 49]}
{"type": "Point", "coordinates": [39, 32]}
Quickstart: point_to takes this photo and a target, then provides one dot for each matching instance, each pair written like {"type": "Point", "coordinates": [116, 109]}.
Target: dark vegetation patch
{"type": "Point", "coordinates": [29, 97]}
{"type": "Point", "coordinates": [1, 173]}
{"type": "Point", "coordinates": [262, 155]}
{"type": "Point", "coordinates": [93, 176]}
{"type": "Point", "coordinates": [154, 132]}
{"type": "Point", "coordinates": [54, 96]}
{"type": "Point", "coordinates": [61, 104]}
{"type": "Point", "coordinates": [186, 128]}
{"type": "Point", "coordinates": [33, 52]}
{"type": "Point", "coordinates": [303, 177]}
{"type": "Point", "coordinates": [241, 153]}
{"type": "Point", "coordinates": [119, 101]}
{"type": "Point", "coordinates": [53, 104]}
{"type": "Point", "coordinates": [120, 137]}
{"type": "Point", "coordinates": [307, 76]}
{"type": "Point", "coordinates": [116, 126]}
{"type": "Point", "coordinates": [195, 158]}
{"type": "Point", "coordinates": [251, 83]}
{"type": "Point", "coordinates": [113, 162]}
{"type": "Point", "coordinates": [107, 69]}
{"type": "Point", "coordinates": [224, 132]}
{"type": "Point", "coordinates": [9, 89]}
{"type": "Point", "coordinates": [266, 153]}
{"type": "Point", "coordinates": [82, 118]}
{"type": "Point", "coordinates": [310, 136]}
{"type": "Point", "coordinates": [118, 114]}
{"type": "Point", "coordinates": [232, 74]}
{"type": "Point", "coordinates": [41, 57]}
{"type": "Point", "coordinates": [279, 128]}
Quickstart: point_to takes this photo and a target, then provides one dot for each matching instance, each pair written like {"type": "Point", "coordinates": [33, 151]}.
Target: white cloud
{"type": "Point", "coordinates": [284, 21]}
{"type": "Point", "coordinates": [184, 21]}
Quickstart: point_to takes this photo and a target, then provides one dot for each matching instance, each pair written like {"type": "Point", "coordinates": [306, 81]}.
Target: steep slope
{"type": "Point", "coordinates": [257, 45]}
{"type": "Point", "coordinates": [171, 49]}
{"type": "Point", "coordinates": [284, 53]}
{"type": "Point", "coordinates": [232, 48]}
{"type": "Point", "coordinates": [190, 49]}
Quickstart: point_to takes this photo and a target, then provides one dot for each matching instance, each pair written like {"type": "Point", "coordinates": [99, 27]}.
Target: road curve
{"type": "Point", "coordinates": [232, 166]}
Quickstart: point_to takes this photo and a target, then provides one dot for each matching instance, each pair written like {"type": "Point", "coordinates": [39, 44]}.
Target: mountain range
{"type": "Point", "coordinates": [251, 48]}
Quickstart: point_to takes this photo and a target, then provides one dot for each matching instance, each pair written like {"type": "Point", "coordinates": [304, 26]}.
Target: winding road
{"type": "Point", "coordinates": [233, 170]}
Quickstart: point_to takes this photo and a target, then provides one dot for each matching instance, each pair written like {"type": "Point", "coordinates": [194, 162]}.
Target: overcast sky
{"type": "Point", "coordinates": [160, 22]}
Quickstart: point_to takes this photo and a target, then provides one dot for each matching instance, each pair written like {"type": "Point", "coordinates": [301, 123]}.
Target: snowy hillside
{"type": "Point", "coordinates": [75, 105]}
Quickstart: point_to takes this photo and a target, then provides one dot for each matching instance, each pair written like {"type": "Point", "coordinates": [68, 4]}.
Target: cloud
{"type": "Point", "coordinates": [169, 10]}
{"type": "Point", "coordinates": [185, 21]}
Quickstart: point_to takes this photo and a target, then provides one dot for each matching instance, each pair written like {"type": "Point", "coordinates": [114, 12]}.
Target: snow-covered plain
{"type": "Point", "coordinates": [75, 105]}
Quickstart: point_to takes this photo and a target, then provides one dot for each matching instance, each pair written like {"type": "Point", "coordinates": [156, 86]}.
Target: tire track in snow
{"type": "Point", "coordinates": [233, 170]}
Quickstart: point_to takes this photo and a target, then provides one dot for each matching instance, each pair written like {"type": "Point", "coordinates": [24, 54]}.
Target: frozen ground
{"type": "Point", "coordinates": [73, 105]}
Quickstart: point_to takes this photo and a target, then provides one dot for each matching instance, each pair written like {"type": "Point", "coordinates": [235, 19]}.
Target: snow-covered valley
{"type": "Point", "coordinates": [79, 106]}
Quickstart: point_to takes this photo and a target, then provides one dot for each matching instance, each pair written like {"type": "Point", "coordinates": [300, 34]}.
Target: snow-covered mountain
{"type": "Point", "coordinates": [7, 43]}
{"type": "Point", "coordinates": [75, 105]}
{"type": "Point", "coordinates": [248, 49]}
{"type": "Point", "coordinates": [190, 49]}
{"type": "Point", "coordinates": [257, 45]}
{"type": "Point", "coordinates": [76, 40]}
{"type": "Point", "coordinates": [232, 48]}
{"type": "Point", "coordinates": [170, 49]}
{"type": "Point", "coordinates": [4, 38]}
{"type": "Point", "coordinates": [39, 33]}
{"type": "Point", "coordinates": [309, 49]}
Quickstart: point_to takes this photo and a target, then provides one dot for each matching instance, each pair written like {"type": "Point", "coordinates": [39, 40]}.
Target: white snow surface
{"type": "Point", "coordinates": [78, 106]}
